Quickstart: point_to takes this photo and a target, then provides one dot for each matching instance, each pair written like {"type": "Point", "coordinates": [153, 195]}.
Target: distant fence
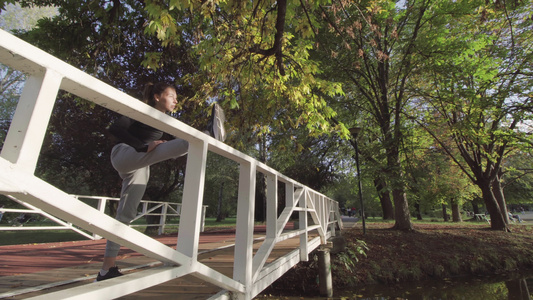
{"type": "Point", "coordinates": [148, 208]}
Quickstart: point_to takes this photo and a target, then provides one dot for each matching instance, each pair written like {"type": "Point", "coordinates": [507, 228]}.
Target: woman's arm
{"type": "Point", "coordinates": [120, 129]}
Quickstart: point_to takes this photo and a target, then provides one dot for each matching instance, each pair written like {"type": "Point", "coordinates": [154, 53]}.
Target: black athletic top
{"type": "Point", "coordinates": [134, 133]}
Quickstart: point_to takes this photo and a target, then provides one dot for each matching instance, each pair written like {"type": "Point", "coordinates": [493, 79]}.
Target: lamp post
{"type": "Point", "coordinates": [355, 132]}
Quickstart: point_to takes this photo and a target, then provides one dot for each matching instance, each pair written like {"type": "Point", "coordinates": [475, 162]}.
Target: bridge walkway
{"type": "Point", "coordinates": [27, 270]}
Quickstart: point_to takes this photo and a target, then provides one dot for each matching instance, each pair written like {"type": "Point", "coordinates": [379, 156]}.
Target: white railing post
{"type": "Point", "coordinates": [303, 222]}
{"type": "Point", "coordinates": [202, 224]}
{"type": "Point", "coordinates": [102, 202]}
{"type": "Point", "coordinates": [242, 268]}
{"type": "Point", "coordinates": [163, 219]}
{"type": "Point", "coordinates": [324, 213]}
{"type": "Point", "coordinates": [193, 194]}
{"type": "Point", "coordinates": [144, 207]}
{"type": "Point", "coordinates": [331, 216]}
{"type": "Point", "coordinates": [30, 121]}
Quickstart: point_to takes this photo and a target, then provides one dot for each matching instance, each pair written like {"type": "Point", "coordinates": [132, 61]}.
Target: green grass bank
{"type": "Point", "coordinates": [432, 251]}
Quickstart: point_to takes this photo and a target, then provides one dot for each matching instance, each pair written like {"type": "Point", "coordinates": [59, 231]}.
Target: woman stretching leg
{"type": "Point", "coordinates": [141, 146]}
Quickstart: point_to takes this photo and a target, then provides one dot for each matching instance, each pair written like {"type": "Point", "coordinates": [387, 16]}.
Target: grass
{"type": "Point", "coordinates": [434, 250]}
{"type": "Point", "coordinates": [51, 236]}
{"type": "Point", "coordinates": [37, 237]}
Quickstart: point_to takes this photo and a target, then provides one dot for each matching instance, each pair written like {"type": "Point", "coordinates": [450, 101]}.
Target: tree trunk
{"type": "Point", "coordinates": [444, 213]}
{"type": "Point", "coordinates": [500, 198]}
{"type": "Point", "coordinates": [152, 230]}
{"type": "Point", "coordinates": [417, 209]}
{"type": "Point", "coordinates": [384, 198]}
{"type": "Point", "coordinates": [456, 212]}
{"type": "Point", "coordinates": [518, 290]}
{"type": "Point", "coordinates": [475, 207]}
{"type": "Point", "coordinates": [401, 207]}
{"type": "Point", "coordinates": [497, 221]}
{"type": "Point", "coordinates": [220, 215]}
{"type": "Point", "coordinates": [403, 217]}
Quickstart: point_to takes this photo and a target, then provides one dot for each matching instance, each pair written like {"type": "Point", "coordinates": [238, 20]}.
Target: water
{"type": "Point", "coordinates": [493, 287]}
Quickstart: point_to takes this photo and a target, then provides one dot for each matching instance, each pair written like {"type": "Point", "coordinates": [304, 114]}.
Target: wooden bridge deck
{"type": "Point", "coordinates": [26, 269]}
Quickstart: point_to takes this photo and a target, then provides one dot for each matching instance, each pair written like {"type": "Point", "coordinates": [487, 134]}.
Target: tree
{"type": "Point", "coordinates": [372, 44]}
{"type": "Point", "coordinates": [10, 87]}
{"type": "Point", "coordinates": [254, 52]}
{"type": "Point", "coordinates": [106, 39]}
{"type": "Point", "coordinates": [480, 87]}
{"type": "Point", "coordinates": [222, 186]}
{"type": "Point", "coordinates": [438, 181]}
{"type": "Point", "coordinates": [517, 179]}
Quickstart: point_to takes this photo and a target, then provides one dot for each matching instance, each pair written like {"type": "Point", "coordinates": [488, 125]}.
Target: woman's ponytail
{"type": "Point", "coordinates": [148, 94]}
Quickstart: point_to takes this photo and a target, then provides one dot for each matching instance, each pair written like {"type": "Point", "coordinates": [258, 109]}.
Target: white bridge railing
{"type": "Point", "coordinates": [148, 208]}
{"type": "Point", "coordinates": [251, 274]}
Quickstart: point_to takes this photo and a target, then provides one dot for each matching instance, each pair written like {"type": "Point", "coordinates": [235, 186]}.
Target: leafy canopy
{"type": "Point", "coordinates": [249, 46]}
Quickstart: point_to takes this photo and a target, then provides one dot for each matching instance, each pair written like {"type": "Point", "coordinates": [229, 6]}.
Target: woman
{"type": "Point", "coordinates": [141, 146]}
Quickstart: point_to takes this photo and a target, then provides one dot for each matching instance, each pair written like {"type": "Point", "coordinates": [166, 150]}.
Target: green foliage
{"type": "Point", "coordinates": [105, 40]}
{"type": "Point", "coordinates": [291, 73]}
{"type": "Point", "coordinates": [245, 48]}
{"type": "Point", "coordinates": [517, 179]}
{"type": "Point", "coordinates": [221, 187]}
{"type": "Point", "coordinates": [478, 93]}
{"type": "Point", "coordinates": [10, 87]}
{"type": "Point", "coordinates": [351, 255]}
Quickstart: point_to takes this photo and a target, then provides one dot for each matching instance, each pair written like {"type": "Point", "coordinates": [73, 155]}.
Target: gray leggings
{"type": "Point", "coordinates": [134, 169]}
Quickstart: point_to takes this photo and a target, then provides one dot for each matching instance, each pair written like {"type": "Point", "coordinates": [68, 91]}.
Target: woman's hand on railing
{"type": "Point", "coordinates": [153, 145]}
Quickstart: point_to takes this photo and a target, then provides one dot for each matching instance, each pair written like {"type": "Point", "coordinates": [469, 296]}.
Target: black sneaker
{"type": "Point", "coordinates": [215, 126]}
{"type": "Point", "coordinates": [112, 273]}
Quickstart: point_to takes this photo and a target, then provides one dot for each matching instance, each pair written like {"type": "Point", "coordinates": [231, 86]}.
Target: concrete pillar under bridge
{"type": "Point", "coordinates": [325, 283]}
{"type": "Point", "coordinates": [336, 244]}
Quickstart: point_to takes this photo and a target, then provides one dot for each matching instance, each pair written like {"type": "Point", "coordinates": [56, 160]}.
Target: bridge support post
{"type": "Point", "coordinates": [324, 273]}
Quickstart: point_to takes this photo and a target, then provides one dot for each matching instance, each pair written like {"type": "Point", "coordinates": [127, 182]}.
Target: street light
{"type": "Point", "coordinates": [355, 132]}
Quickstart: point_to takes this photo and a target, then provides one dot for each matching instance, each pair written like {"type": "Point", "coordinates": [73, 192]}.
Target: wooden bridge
{"type": "Point", "coordinates": [32, 270]}
{"type": "Point", "coordinates": [254, 264]}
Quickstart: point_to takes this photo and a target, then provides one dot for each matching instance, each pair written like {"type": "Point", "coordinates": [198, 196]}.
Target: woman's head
{"type": "Point", "coordinates": [161, 96]}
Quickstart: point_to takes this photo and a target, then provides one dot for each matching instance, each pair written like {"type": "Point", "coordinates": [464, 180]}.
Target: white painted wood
{"type": "Point", "coordinates": [36, 210]}
{"type": "Point", "coordinates": [54, 201]}
{"type": "Point", "coordinates": [212, 276]}
{"type": "Point", "coordinates": [301, 196]}
{"type": "Point", "coordinates": [222, 295]}
{"type": "Point", "coordinates": [193, 194]}
{"type": "Point", "coordinates": [271, 272]}
{"type": "Point", "coordinates": [242, 268]}
{"type": "Point", "coordinates": [290, 201]}
{"type": "Point", "coordinates": [119, 286]}
{"type": "Point", "coordinates": [28, 127]}
{"type": "Point", "coordinates": [163, 219]}
{"type": "Point", "coordinates": [271, 229]}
